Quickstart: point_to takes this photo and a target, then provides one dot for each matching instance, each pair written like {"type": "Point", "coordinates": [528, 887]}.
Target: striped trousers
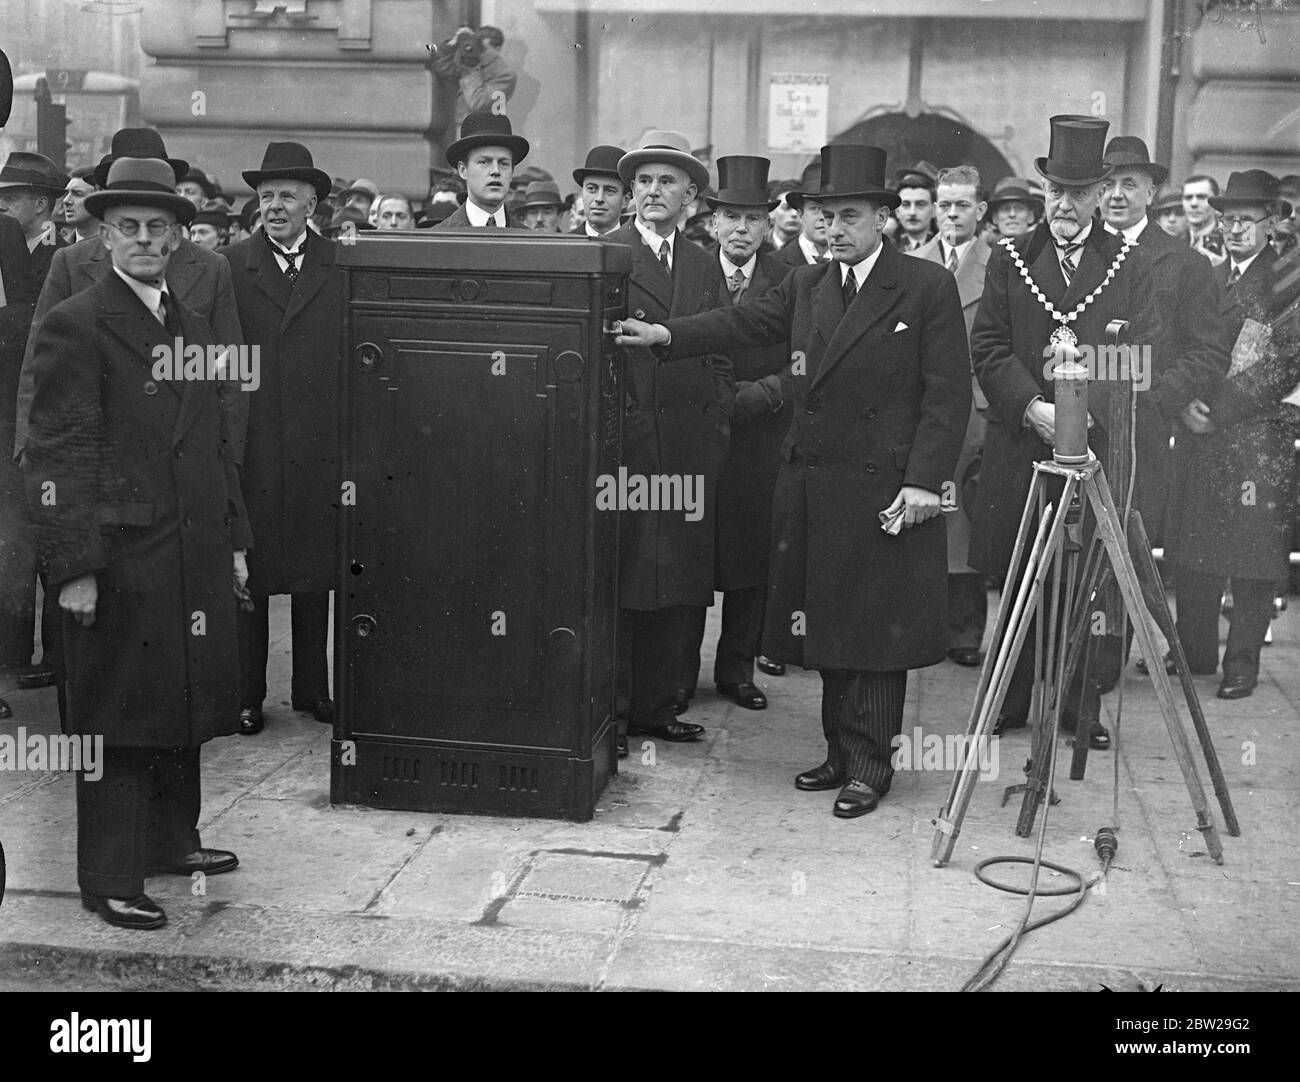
{"type": "Point", "coordinates": [862, 712]}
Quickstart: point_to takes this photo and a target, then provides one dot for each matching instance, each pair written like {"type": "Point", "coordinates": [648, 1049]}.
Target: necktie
{"type": "Point", "coordinates": [736, 285]}
{"type": "Point", "coordinates": [952, 260]}
{"type": "Point", "coordinates": [850, 288]}
{"type": "Point", "coordinates": [1234, 275]}
{"type": "Point", "coordinates": [291, 271]}
{"type": "Point", "coordinates": [162, 309]}
{"type": "Point", "coordinates": [663, 258]}
{"type": "Point", "coordinates": [491, 223]}
{"type": "Point", "coordinates": [1070, 261]}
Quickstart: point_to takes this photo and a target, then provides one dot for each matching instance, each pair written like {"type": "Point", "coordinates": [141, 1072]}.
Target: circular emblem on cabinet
{"type": "Point", "coordinates": [569, 366]}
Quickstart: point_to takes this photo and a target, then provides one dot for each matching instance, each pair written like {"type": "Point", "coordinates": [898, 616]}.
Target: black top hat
{"type": "Point", "coordinates": [1074, 156]}
{"type": "Point", "coordinates": [140, 182]}
{"type": "Point", "coordinates": [289, 161]}
{"type": "Point", "coordinates": [486, 129]}
{"type": "Point", "coordinates": [742, 182]}
{"type": "Point", "coordinates": [602, 161]}
{"type": "Point", "coordinates": [23, 169]}
{"type": "Point", "coordinates": [849, 169]}
{"type": "Point", "coordinates": [1014, 190]}
{"type": "Point", "coordinates": [138, 143]}
{"type": "Point", "coordinates": [1253, 186]}
{"type": "Point", "coordinates": [1129, 152]}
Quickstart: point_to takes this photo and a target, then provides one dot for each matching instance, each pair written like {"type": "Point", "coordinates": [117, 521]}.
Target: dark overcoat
{"type": "Point", "coordinates": [129, 477]}
{"type": "Point", "coordinates": [1234, 488]}
{"type": "Point", "coordinates": [678, 423]}
{"type": "Point", "coordinates": [21, 289]}
{"type": "Point", "coordinates": [748, 475]}
{"type": "Point", "coordinates": [291, 456]}
{"type": "Point", "coordinates": [880, 401]}
{"type": "Point", "coordinates": [1012, 330]}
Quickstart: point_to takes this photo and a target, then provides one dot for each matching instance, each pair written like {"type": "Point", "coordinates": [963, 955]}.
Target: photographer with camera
{"type": "Point", "coordinates": [471, 62]}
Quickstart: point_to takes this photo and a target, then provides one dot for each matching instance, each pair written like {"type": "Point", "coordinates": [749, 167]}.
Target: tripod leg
{"type": "Point", "coordinates": [1108, 525]}
{"type": "Point", "coordinates": [1089, 704]}
{"type": "Point", "coordinates": [1153, 592]}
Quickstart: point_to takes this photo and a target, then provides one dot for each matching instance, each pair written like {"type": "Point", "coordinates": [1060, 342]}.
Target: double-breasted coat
{"type": "Point", "coordinates": [1234, 488]}
{"type": "Point", "coordinates": [130, 477]}
{"type": "Point", "coordinates": [678, 423]}
{"type": "Point", "coordinates": [881, 395]}
{"type": "Point", "coordinates": [291, 456]}
{"type": "Point", "coordinates": [748, 475]}
{"type": "Point", "coordinates": [1012, 361]}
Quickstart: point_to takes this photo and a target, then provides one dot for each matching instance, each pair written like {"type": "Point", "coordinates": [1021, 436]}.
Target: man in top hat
{"type": "Point", "coordinates": [289, 291]}
{"type": "Point", "coordinates": [1064, 261]}
{"type": "Point", "coordinates": [541, 207]}
{"type": "Point", "coordinates": [1169, 212]}
{"type": "Point", "coordinates": [1235, 472]}
{"type": "Point", "coordinates": [881, 393]}
{"type": "Point", "coordinates": [30, 186]}
{"type": "Point", "coordinates": [677, 424]}
{"type": "Point", "coordinates": [143, 544]}
{"type": "Point", "coordinates": [1014, 207]}
{"type": "Point", "coordinates": [741, 219]}
{"type": "Point", "coordinates": [960, 204]}
{"type": "Point", "coordinates": [915, 213]}
{"type": "Point", "coordinates": [605, 197]}
{"type": "Point", "coordinates": [485, 157]}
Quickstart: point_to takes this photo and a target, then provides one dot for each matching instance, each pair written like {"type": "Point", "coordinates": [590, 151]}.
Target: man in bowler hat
{"type": "Point", "coordinates": [605, 196]}
{"type": "Point", "coordinates": [485, 156]}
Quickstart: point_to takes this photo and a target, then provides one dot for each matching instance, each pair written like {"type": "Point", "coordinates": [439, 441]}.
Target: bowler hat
{"type": "Point", "coordinates": [435, 213]}
{"type": "Point", "coordinates": [23, 169]}
{"type": "Point", "coordinates": [289, 161]}
{"type": "Point", "coordinates": [140, 182]}
{"type": "Point", "coordinates": [1014, 190]}
{"type": "Point", "coordinates": [668, 147]}
{"type": "Point", "coordinates": [1074, 155]}
{"type": "Point", "coordinates": [742, 182]}
{"type": "Point", "coordinates": [218, 219]}
{"type": "Point", "coordinates": [486, 129]}
{"type": "Point", "coordinates": [1253, 186]}
{"type": "Point", "coordinates": [849, 170]}
{"type": "Point", "coordinates": [602, 161]}
{"type": "Point", "coordinates": [1129, 152]}
{"type": "Point", "coordinates": [541, 193]}
{"type": "Point", "coordinates": [138, 143]}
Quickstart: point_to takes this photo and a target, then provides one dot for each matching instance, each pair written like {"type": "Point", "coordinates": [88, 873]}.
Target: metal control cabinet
{"type": "Point", "coordinates": [477, 592]}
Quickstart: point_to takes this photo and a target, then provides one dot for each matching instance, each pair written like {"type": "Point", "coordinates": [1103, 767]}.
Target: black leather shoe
{"type": "Point", "coordinates": [141, 912]}
{"type": "Point", "coordinates": [321, 709]}
{"type": "Point", "coordinates": [36, 676]}
{"type": "Point", "coordinates": [621, 744]}
{"type": "Point", "coordinates": [1236, 687]}
{"type": "Point", "coordinates": [682, 700]}
{"type": "Point", "coordinates": [772, 668]}
{"type": "Point", "coordinates": [819, 778]}
{"type": "Point", "coordinates": [969, 656]}
{"type": "Point", "coordinates": [6, 711]}
{"type": "Point", "coordinates": [1099, 737]}
{"type": "Point", "coordinates": [746, 695]}
{"type": "Point", "coordinates": [251, 721]}
{"type": "Point", "coordinates": [856, 798]}
{"type": "Point", "coordinates": [676, 732]}
{"type": "Point", "coordinates": [207, 861]}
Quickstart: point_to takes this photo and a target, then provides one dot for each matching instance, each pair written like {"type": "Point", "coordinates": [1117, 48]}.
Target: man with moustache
{"type": "Point", "coordinates": [881, 400]}
{"type": "Point", "coordinates": [485, 157]}
{"type": "Point", "coordinates": [540, 208]}
{"type": "Point", "coordinates": [960, 204]}
{"type": "Point", "coordinates": [677, 424]}
{"type": "Point", "coordinates": [289, 291]}
{"type": "Point", "coordinates": [1014, 208]}
{"type": "Point", "coordinates": [1053, 269]}
{"type": "Point", "coordinates": [605, 197]}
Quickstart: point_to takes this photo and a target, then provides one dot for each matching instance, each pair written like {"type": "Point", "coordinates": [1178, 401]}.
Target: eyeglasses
{"type": "Point", "coordinates": [130, 228]}
{"type": "Point", "coordinates": [1233, 223]}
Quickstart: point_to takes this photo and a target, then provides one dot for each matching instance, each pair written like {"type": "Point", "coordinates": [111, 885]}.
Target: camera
{"type": "Point", "coordinates": [469, 49]}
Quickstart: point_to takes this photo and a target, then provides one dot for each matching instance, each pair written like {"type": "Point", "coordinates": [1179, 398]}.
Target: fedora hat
{"type": "Point", "coordinates": [849, 170]}
{"type": "Point", "coordinates": [138, 143]}
{"type": "Point", "coordinates": [1129, 152]}
{"type": "Point", "coordinates": [23, 169]}
{"type": "Point", "coordinates": [141, 182]}
{"type": "Point", "coordinates": [1167, 199]}
{"type": "Point", "coordinates": [1253, 186]}
{"type": "Point", "coordinates": [742, 182]}
{"type": "Point", "coordinates": [486, 129]}
{"type": "Point", "coordinates": [602, 161]}
{"type": "Point", "coordinates": [921, 175]}
{"type": "Point", "coordinates": [1014, 190]}
{"type": "Point", "coordinates": [435, 213]}
{"type": "Point", "coordinates": [361, 186]}
{"type": "Point", "coordinates": [669, 147]}
{"type": "Point", "coordinates": [541, 193]}
{"type": "Point", "coordinates": [289, 161]}
{"type": "Point", "coordinates": [343, 216]}
{"type": "Point", "coordinates": [1074, 155]}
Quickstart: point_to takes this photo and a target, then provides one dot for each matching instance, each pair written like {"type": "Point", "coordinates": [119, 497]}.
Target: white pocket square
{"type": "Point", "coordinates": [901, 327]}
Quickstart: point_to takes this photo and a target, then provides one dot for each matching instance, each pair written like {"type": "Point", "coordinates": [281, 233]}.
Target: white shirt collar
{"type": "Point", "coordinates": [809, 250]}
{"type": "Point", "coordinates": [296, 246]}
{"type": "Point", "coordinates": [478, 216]}
{"type": "Point", "coordinates": [960, 249]}
{"type": "Point", "coordinates": [150, 296]}
{"type": "Point", "coordinates": [1079, 238]}
{"type": "Point", "coordinates": [861, 270]}
{"type": "Point", "coordinates": [596, 232]}
{"type": "Point", "coordinates": [729, 268]}
{"type": "Point", "coordinates": [1244, 265]}
{"type": "Point", "coordinates": [654, 240]}
{"type": "Point", "coordinates": [1131, 233]}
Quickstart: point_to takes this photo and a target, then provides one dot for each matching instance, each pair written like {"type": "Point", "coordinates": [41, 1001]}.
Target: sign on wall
{"type": "Point", "coordinates": [797, 112]}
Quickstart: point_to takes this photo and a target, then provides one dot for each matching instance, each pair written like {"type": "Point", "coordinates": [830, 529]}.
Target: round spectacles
{"type": "Point", "coordinates": [1233, 223]}
{"type": "Point", "coordinates": [131, 228]}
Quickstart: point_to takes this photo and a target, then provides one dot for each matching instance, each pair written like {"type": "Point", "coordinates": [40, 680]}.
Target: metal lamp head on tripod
{"type": "Point", "coordinates": [1070, 445]}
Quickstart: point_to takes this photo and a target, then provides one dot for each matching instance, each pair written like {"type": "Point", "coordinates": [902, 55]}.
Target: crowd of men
{"type": "Point", "coordinates": [853, 361]}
